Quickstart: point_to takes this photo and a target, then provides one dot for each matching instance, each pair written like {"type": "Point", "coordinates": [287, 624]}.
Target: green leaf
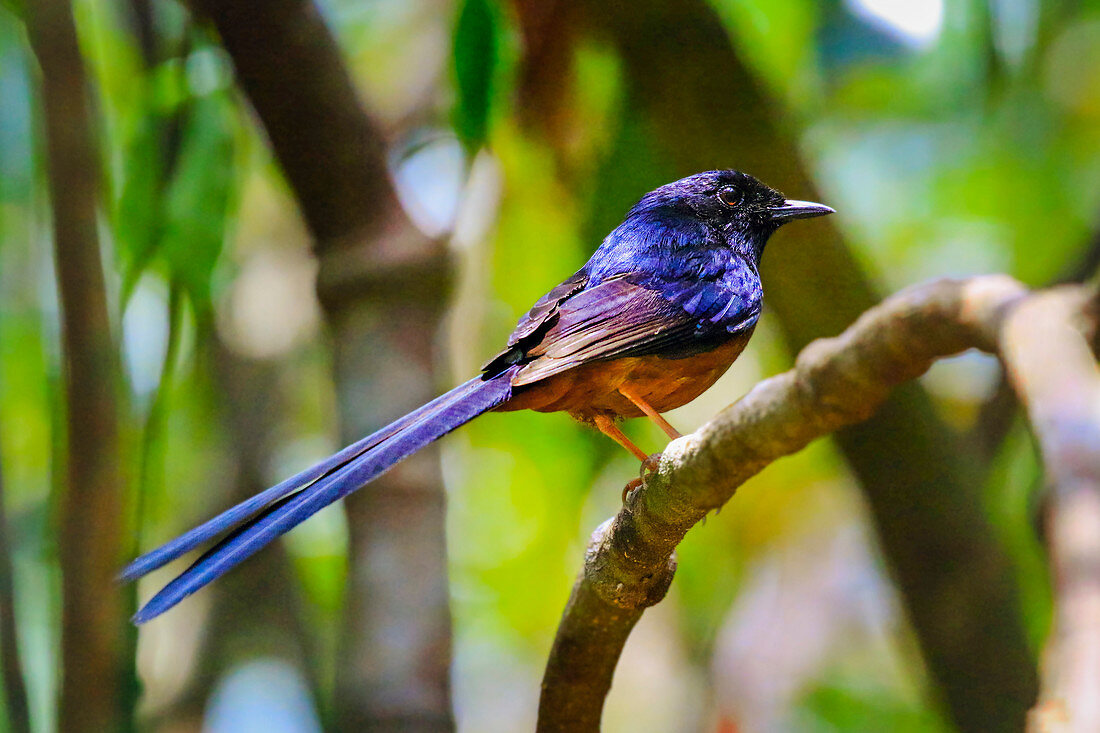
{"type": "Point", "coordinates": [870, 707]}
{"type": "Point", "coordinates": [197, 198]}
{"type": "Point", "coordinates": [137, 213]}
{"type": "Point", "coordinates": [477, 43]}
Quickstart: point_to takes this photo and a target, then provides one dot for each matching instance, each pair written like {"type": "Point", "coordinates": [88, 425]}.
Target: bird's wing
{"type": "Point", "coordinates": [545, 308]}
{"type": "Point", "coordinates": [535, 322]}
{"type": "Point", "coordinates": [620, 318]}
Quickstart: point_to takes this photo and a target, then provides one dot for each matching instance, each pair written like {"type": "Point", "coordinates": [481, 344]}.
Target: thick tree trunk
{"type": "Point", "coordinates": [90, 510]}
{"type": "Point", "coordinates": [383, 285]}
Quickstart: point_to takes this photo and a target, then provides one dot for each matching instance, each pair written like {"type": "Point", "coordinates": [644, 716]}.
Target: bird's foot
{"type": "Point", "coordinates": [632, 485]}
{"type": "Point", "coordinates": [649, 467]}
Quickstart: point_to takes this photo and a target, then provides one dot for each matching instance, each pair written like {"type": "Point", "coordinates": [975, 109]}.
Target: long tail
{"type": "Point", "coordinates": [267, 515]}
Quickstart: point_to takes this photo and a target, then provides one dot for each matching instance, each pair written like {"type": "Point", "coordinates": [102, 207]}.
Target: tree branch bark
{"type": "Point", "coordinates": [836, 382]}
{"type": "Point", "coordinates": [996, 415]}
{"type": "Point", "coordinates": [90, 530]}
{"type": "Point", "coordinates": [383, 286]}
{"type": "Point", "coordinates": [1054, 373]}
{"type": "Point", "coordinates": [691, 104]}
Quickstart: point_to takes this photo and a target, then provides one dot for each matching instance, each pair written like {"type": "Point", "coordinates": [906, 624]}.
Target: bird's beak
{"type": "Point", "coordinates": [791, 209]}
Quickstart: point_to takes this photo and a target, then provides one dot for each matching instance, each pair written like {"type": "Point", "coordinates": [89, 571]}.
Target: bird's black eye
{"type": "Point", "coordinates": [729, 195]}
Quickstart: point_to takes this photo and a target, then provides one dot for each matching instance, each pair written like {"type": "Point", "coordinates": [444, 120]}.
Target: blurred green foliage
{"type": "Point", "coordinates": [476, 57]}
{"type": "Point", "coordinates": [972, 150]}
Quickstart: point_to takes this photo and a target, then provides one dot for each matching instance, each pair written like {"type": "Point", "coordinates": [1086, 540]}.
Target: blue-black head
{"type": "Point", "coordinates": [738, 207]}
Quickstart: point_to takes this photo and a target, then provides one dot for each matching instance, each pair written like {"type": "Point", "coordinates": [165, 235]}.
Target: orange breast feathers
{"type": "Point", "coordinates": [592, 389]}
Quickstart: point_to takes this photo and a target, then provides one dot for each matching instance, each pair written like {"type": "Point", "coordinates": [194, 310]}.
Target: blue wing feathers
{"type": "Point", "coordinates": [275, 511]}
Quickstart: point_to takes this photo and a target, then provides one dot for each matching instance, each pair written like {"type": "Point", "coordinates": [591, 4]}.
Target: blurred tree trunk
{"type": "Point", "coordinates": [691, 105]}
{"type": "Point", "coordinates": [16, 706]}
{"type": "Point", "coordinates": [383, 286]}
{"type": "Point", "coordinates": [90, 532]}
{"type": "Point", "coordinates": [255, 610]}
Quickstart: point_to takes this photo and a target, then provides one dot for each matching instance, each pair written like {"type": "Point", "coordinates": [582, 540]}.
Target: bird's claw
{"type": "Point", "coordinates": [649, 467]}
{"type": "Point", "coordinates": [631, 485]}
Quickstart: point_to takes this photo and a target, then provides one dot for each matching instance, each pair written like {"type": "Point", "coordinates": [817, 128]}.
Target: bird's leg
{"type": "Point", "coordinates": [650, 464]}
{"type": "Point", "coordinates": [611, 430]}
{"type": "Point", "coordinates": [652, 414]}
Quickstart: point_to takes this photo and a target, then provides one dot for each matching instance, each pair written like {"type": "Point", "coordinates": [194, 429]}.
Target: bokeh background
{"type": "Point", "coordinates": [953, 137]}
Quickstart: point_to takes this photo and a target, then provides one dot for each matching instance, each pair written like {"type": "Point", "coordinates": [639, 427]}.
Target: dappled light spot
{"type": "Point", "coordinates": [916, 22]}
{"type": "Point", "coordinates": [272, 306]}
{"type": "Point", "coordinates": [262, 696]}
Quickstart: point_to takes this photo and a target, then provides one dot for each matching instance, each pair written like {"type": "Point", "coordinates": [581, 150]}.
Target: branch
{"type": "Point", "coordinates": [922, 484]}
{"type": "Point", "coordinates": [996, 414]}
{"type": "Point", "coordinates": [1053, 370]}
{"type": "Point", "coordinates": [836, 382]}
{"type": "Point", "coordinates": [90, 510]}
{"type": "Point", "coordinates": [99, 684]}
{"type": "Point", "coordinates": [331, 151]}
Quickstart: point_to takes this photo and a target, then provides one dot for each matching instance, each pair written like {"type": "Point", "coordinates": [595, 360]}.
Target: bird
{"type": "Point", "coordinates": [659, 312]}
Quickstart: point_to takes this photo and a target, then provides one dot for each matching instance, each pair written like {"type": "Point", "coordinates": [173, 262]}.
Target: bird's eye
{"type": "Point", "coordinates": [729, 195]}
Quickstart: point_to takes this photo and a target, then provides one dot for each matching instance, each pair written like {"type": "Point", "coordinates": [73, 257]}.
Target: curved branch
{"type": "Point", "coordinates": [996, 414]}
{"type": "Point", "coordinates": [1052, 369]}
{"type": "Point", "coordinates": [836, 382]}
{"type": "Point", "coordinates": [921, 482]}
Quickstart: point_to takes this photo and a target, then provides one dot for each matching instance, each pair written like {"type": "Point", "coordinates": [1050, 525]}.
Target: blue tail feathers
{"type": "Point", "coordinates": [269, 514]}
